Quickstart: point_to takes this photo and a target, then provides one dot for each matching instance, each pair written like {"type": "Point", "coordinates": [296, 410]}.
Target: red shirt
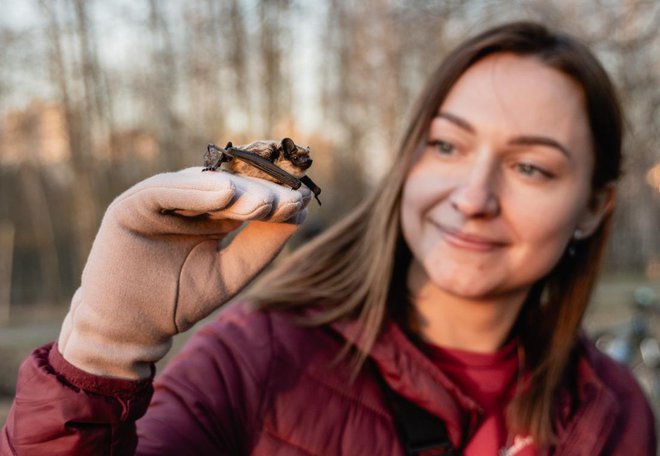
{"type": "Point", "coordinates": [490, 379]}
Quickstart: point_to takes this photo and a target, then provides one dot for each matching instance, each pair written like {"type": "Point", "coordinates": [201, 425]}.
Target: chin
{"type": "Point", "coordinates": [463, 286]}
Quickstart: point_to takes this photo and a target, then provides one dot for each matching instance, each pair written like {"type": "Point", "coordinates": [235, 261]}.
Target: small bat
{"type": "Point", "coordinates": [284, 163]}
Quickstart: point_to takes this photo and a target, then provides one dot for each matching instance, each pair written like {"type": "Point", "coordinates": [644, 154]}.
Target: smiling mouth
{"type": "Point", "coordinates": [467, 241]}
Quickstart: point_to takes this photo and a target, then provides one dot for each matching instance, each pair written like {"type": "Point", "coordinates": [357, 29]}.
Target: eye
{"type": "Point", "coordinates": [530, 170]}
{"type": "Point", "coordinates": [443, 147]}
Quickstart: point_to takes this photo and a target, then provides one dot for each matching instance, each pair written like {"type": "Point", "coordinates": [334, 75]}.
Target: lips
{"type": "Point", "coordinates": [468, 241]}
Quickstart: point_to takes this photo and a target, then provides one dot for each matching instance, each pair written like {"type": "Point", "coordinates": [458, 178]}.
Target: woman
{"type": "Point", "coordinates": [452, 296]}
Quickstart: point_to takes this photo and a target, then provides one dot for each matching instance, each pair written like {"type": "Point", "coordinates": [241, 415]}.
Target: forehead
{"type": "Point", "coordinates": [521, 94]}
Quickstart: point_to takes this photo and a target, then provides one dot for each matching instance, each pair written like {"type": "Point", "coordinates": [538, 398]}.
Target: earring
{"type": "Point", "coordinates": [577, 235]}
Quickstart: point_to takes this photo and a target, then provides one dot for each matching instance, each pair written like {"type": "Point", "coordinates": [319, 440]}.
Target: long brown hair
{"type": "Point", "coordinates": [357, 268]}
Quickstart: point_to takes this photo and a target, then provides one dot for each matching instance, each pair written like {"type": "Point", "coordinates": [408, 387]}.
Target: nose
{"type": "Point", "coordinates": [304, 162]}
{"type": "Point", "coordinates": [475, 196]}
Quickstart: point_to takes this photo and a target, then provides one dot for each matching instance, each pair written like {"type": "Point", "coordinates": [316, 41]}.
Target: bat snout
{"type": "Point", "coordinates": [303, 162]}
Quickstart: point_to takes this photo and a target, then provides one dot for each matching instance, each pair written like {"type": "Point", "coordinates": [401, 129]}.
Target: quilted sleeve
{"type": "Point", "coordinates": [60, 410]}
{"type": "Point", "coordinates": [210, 398]}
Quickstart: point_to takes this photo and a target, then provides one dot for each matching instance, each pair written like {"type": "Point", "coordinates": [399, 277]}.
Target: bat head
{"type": "Point", "coordinates": [297, 155]}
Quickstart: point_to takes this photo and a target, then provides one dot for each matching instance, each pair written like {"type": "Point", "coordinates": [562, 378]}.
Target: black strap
{"type": "Point", "coordinates": [420, 431]}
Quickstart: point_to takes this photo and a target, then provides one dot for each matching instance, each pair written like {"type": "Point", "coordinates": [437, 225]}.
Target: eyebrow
{"type": "Point", "coordinates": [526, 140]}
{"type": "Point", "coordinates": [462, 123]}
{"type": "Point", "coordinates": [522, 140]}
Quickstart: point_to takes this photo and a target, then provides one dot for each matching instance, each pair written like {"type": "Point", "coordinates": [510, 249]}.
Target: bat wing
{"type": "Point", "coordinates": [264, 165]}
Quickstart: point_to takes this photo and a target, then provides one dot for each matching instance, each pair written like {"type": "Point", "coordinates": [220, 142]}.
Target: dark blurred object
{"type": "Point", "coordinates": [634, 343]}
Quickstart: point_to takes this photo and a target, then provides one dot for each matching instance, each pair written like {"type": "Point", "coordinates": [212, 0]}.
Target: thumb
{"type": "Point", "coordinates": [210, 277]}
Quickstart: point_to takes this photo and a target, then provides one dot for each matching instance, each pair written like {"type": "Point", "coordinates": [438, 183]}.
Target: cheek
{"type": "Point", "coordinates": [545, 225]}
{"type": "Point", "coordinates": [422, 192]}
{"type": "Point", "coordinates": [425, 187]}
{"type": "Point", "coordinates": [410, 224]}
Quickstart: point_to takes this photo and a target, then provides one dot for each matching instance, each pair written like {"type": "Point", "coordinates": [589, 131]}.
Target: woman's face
{"type": "Point", "coordinates": [503, 181]}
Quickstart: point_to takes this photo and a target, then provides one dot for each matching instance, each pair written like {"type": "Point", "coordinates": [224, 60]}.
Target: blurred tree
{"type": "Point", "coordinates": [160, 83]}
{"type": "Point", "coordinates": [204, 64]}
{"type": "Point", "coordinates": [200, 71]}
{"type": "Point", "coordinates": [76, 105]}
{"type": "Point", "coordinates": [236, 38]}
{"type": "Point", "coordinates": [635, 241]}
{"type": "Point", "coordinates": [274, 45]}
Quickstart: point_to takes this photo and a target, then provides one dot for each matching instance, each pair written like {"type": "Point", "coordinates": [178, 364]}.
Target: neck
{"type": "Point", "coordinates": [474, 324]}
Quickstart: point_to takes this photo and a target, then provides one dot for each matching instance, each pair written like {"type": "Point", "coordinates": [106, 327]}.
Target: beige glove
{"type": "Point", "coordinates": [157, 267]}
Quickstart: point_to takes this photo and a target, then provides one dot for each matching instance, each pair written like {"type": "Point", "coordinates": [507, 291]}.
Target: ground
{"type": "Point", "coordinates": [35, 326]}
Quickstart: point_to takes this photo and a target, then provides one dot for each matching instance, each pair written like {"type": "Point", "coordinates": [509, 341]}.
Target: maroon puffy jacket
{"type": "Point", "coordinates": [255, 383]}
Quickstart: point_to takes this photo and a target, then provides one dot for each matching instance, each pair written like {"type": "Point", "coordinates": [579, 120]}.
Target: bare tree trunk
{"type": "Point", "coordinates": [344, 104]}
{"type": "Point", "coordinates": [203, 65]}
{"type": "Point", "coordinates": [42, 233]}
{"type": "Point", "coordinates": [97, 97]}
{"type": "Point", "coordinates": [391, 76]}
{"type": "Point", "coordinates": [95, 90]}
{"type": "Point", "coordinates": [6, 262]}
{"type": "Point", "coordinates": [85, 221]}
{"type": "Point", "coordinates": [274, 38]}
{"type": "Point", "coordinates": [238, 50]}
{"type": "Point", "coordinates": [635, 241]}
{"type": "Point", "coordinates": [163, 88]}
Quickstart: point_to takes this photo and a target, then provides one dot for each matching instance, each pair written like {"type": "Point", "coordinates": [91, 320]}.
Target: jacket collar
{"type": "Point", "coordinates": [586, 430]}
{"type": "Point", "coordinates": [412, 375]}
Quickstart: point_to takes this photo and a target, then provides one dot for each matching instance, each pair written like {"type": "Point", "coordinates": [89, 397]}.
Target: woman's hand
{"type": "Point", "coordinates": [158, 263]}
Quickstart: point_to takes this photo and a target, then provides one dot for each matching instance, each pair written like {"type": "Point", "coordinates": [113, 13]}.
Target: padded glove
{"type": "Point", "coordinates": [158, 264]}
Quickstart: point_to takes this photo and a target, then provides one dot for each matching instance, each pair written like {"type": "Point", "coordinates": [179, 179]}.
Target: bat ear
{"type": "Point", "coordinates": [288, 146]}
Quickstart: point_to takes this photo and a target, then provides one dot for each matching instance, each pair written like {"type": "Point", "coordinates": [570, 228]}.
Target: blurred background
{"type": "Point", "coordinates": [95, 96]}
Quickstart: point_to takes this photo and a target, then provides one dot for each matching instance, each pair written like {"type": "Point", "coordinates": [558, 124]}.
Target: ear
{"type": "Point", "coordinates": [288, 146]}
{"type": "Point", "coordinates": [600, 204]}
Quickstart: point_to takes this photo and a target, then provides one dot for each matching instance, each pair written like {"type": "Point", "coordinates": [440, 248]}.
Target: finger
{"type": "Point", "coordinates": [210, 277]}
{"type": "Point", "coordinates": [306, 194]}
{"type": "Point", "coordinates": [258, 199]}
{"type": "Point", "coordinates": [202, 225]}
{"type": "Point", "coordinates": [192, 193]}
{"type": "Point", "coordinates": [183, 190]}
{"type": "Point", "coordinates": [286, 202]}
{"type": "Point", "coordinates": [298, 218]}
